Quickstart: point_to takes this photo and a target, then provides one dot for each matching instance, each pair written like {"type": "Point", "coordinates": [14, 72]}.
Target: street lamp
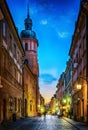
{"type": "Point", "coordinates": [79, 86]}
{"type": "Point", "coordinates": [1, 86]}
{"type": "Point", "coordinates": [64, 101]}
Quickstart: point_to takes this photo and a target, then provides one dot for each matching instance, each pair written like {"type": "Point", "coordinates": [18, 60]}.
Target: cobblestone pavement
{"type": "Point", "coordinates": [14, 125]}
{"type": "Point", "coordinates": [47, 123]}
{"type": "Point", "coordinates": [80, 125]}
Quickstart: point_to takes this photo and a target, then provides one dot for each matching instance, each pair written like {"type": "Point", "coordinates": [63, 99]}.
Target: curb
{"type": "Point", "coordinates": [72, 124]}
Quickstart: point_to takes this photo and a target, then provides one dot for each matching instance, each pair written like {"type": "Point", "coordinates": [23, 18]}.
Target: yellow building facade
{"type": "Point", "coordinates": [30, 95]}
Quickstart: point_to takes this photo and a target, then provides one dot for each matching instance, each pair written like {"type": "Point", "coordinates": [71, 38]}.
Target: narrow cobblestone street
{"type": "Point", "coordinates": [40, 123]}
{"type": "Point", "coordinates": [48, 123]}
{"type": "Point", "coordinates": [44, 123]}
{"type": "Point", "coordinates": [43, 65]}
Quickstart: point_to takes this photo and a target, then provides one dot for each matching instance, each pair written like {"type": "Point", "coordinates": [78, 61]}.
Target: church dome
{"type": "Point", "coordinates": [28, 34]}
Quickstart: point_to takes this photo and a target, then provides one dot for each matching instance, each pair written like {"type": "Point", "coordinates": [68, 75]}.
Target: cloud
{"type": "Point", "coordinates": [44, 22]}
{"type": "Point", "coordinates": [63, 34]}
{"type": "Point", "coordinates": [47, 90]}
{"type": "Point", "coordinates": [52, 71]}
{"type": "Point", "coordinates": [47, 83]}
{"type": "Point", "coordinates": [47, 78]}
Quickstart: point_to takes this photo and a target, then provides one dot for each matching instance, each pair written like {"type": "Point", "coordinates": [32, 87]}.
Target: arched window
{"type": "Point", "coordinates": [26, 46]}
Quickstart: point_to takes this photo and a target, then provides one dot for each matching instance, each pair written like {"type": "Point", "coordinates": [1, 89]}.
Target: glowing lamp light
{"type": "Point", "coordinates": [53, 110]}
{"type": "Point", "coordinates": [42, 109]}
{"type": "Point", "coordinates": [1, 86]}
{"type": "Point", "coordinates": [56, 104]}
{"type": "Point", "coordinates": [56, 108]}
{"type": "Point", "coordinates": [38, 106]}
{"type": "Point", "coordinates": [64, 100]}
{"type": "Point", "coordinates": [79, 86]}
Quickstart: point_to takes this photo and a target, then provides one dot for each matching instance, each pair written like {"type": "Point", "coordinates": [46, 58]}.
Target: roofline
{"type": "Point", "coordinates": [75, 30]}
{"type": "Point", "coordinates": [80, 11]}
{"type": "Point", "coordinates": [4, 3]}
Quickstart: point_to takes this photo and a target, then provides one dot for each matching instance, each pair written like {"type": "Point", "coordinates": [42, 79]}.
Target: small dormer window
{"type": "Point", "coordinates": [26, 46]}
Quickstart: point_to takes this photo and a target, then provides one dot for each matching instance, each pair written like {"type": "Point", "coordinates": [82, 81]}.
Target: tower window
{"type": "Point", "coordinates": [26, 46]}
{"type": "Point", "coordinates": [26, 61]}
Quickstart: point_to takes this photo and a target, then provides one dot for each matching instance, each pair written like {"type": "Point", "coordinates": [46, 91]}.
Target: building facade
{"type": "Point", "coordinates": [11, 52]}
{"type": "Point", "coordinates": [79, 55]}
{"type": "Point", "coordinates": [30, 86]}
{"type": "Point", "coordinates": [54, 105]}
{"type": "Point", "coordinates": [60, 89]}
{"type": "Point", "coordinates": [67, 93]}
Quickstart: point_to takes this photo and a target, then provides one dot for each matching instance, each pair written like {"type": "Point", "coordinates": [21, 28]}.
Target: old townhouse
{"type": "Point", "coordinates": [11, 52]}
{"type": "Point", "coordinates": [79, 56]}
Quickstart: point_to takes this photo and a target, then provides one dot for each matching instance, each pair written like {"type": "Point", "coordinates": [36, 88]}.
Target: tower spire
{"type": "Point", "coordinates": [28, 10]}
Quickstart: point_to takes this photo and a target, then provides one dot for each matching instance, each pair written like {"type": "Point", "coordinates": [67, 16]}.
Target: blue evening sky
{"type": "Point", "coordinates": [54, 24]}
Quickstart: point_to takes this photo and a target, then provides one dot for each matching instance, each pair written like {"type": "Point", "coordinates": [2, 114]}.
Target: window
{"type": "Point", "coordinates": [18, 105]}
{"type": "Point", "coordinates": [15, 104]}
{"type": "Point", "coordinates": [4, 60]}
{"type": "Point", "coordinates": [4, 29]}
{"type": "Point", "coordinates": [10, 46]}
{"type": "Point", "coordinates": [18, 76]}
{"type": "Point", "coordinates": [32, 45]}
{"type": "Point", "coordinates": [14, 72]}
{"type": "Point", "coordinates": [35, 47]}
{"type": "Point", "coordinates": [14, 50]}
{"type": "Point", "coordinates": [18, 56]}
{"type": "Point", "coordinates": [10, 103]}
{"type": "Point", "coordinates": [26, 61]}
{"type": "Point", "coordinates": [30, 105]}
{"type": "Point", "coordinates": [26, 46]}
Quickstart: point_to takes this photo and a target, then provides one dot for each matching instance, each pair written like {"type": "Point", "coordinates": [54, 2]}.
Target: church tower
{"type": "Point", "coordinates": [30, 44]}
